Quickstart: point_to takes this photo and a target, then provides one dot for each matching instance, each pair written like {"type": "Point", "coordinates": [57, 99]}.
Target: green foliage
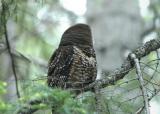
{"type": "Point", "coordinates": [88, 102]}
{"type": "Point", "coordinates": [33, 42]}
{"type": "Point", "coordinates": [31, 54]}
{"type": "Point", "coordinates": [4, 106]}
{"type": "Point", "coordinates": [61, 101]}
{"type": "Point", "coordinates": [2, 87]}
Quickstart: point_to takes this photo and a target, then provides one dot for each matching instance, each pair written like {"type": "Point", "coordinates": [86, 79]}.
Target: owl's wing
{"type": "Point", "coordinates": [83, 68]}
{"type": "Point", "coordinates": [59, 66]}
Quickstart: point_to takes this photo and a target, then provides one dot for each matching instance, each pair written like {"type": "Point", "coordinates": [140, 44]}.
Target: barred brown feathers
{"type": "Point", "coordinates": [73, 64]}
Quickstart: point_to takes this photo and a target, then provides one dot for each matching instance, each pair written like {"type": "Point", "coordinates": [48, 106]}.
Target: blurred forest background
{"type": "Point", "coordinates": [30, 31]}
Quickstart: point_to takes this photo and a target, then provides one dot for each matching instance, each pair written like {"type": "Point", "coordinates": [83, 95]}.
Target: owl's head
{"type": "Point", "coordinates": [79, 34]}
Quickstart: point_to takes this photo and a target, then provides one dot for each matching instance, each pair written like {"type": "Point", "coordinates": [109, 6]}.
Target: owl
{"type": "Point", "coordinates": [73, 64]}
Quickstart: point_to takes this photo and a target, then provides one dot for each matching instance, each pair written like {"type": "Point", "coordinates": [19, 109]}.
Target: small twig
{"type": "Point", "coordinates": [139, 111]}
{"type": "Point", "coordinates": [141, 81]}
{"type": "Point", "coordinates": [9, 49]}
{"type": "Point", "coordinates": [108, 108]}
{"type": "Point", "coordinates": [156, 67]}
{"type": "Point", "coordinates": [29, 109]}
{"type": "Point", "coordinates": [150, 98]}
{"type": "Point", "coordinates": [98, 99]}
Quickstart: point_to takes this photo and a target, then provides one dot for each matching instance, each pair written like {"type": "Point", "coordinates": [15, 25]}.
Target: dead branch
{"type": "Point", "coordinates": [141, 81]}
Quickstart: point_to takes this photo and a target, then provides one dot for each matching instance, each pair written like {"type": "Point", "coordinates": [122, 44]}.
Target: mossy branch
{"type": "Point", "coordinates": [116, 75]}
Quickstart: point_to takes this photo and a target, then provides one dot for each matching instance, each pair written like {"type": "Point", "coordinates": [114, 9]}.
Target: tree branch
{"type": "Point", "coordinates": [9, 47]}
{"type": "Point", "coordinates": [141, 81]}
{"type": "Point", "coordinates": [139, 111]}
{"type": "Point", "coordinates": [118, 74]}
{"type": "Point", "coordinates": [29, 109]}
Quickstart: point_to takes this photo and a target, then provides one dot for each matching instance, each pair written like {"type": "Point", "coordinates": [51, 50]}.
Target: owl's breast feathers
{"type": "Point", "coordinates": [72, 67]}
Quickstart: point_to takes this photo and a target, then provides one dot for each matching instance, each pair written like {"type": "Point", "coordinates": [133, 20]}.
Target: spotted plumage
{"type": "Point", "coordinates": [73, 64]}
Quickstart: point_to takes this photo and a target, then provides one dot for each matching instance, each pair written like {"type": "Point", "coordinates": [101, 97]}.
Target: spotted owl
{"type": "Point", "coordinates": [73, 64]}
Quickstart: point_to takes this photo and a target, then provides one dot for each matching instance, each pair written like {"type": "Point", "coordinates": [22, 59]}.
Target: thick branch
{"type": "Point", "coordinates": [118, 74]}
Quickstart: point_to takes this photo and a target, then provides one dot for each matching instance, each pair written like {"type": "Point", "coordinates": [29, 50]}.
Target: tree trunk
{"type": "Point", "coordinates": [116, 28]}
